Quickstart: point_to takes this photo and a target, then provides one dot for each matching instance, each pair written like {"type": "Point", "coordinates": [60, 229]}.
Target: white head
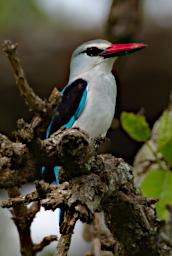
{"type": "Point", "coordinates": [98, 54]}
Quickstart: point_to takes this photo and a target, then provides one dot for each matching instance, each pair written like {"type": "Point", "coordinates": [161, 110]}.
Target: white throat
{"type": "Point", "coordinates": [77, 70]}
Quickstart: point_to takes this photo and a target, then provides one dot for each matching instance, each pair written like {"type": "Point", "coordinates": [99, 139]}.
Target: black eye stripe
{"type": "Point", "coordinates": [93, 51]}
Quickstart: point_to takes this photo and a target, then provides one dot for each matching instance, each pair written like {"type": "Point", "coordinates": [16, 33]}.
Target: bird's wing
{"type": "Point", "coordinates": [71, 106]}
{"type": "Point", "coordinates": [67, 111]}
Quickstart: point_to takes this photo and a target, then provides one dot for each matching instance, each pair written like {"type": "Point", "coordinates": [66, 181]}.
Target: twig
{"type": "Point", "coordinates": [96, 248]}
{"type": "Point", "coordinates": [154, 153]}
{"type": "Point", "coordinates": [166, 229]}
{"type": "Point", "coordinates": [42, 188]}
{"type": "Point", "coordinates": [67, 228]}
{"type": "Point", "coordinates": [23, 217]}
{"type": "Point", "coordinates": [54, 98]}
{"type": "Point", "coordinates": [34, 102]}
{"type": "Point", "coordinates": [41, 108]}
{"type": "Point", "coordinates": [103, 242]}
{"type": "Point", "coordinates": [23, 220]}
{"type": "Point", "coordinates": [63, 244]}
{"type": "Point", "coordinates": [45, 242]}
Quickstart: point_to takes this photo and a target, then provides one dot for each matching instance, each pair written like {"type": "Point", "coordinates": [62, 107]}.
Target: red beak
{"type": "Point", "coordinates": [121, 49]}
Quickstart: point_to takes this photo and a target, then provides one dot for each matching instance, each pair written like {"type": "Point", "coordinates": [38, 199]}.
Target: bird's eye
{"type": "Point", "coordinates": [93, 51]}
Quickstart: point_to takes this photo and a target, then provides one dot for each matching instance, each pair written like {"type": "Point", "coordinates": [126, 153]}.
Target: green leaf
{"type": "Point", "coordinates": [164, 136]}
{"type": "Point", "coordinates": [158, 184]}
{"type": "Point", "coordinates": [136, 126]}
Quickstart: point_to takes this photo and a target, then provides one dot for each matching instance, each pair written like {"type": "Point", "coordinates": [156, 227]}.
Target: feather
{"type": "Point", "coordinates": [66, 113]}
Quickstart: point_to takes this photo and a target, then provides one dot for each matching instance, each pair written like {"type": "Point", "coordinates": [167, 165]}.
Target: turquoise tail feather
{"type": "Point", "coordinates": [56, 174]}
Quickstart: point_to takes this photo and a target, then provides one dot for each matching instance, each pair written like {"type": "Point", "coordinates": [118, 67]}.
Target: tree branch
{"type": "Point", "coordinates": [124, 20]}
{"type": "Point", "coordinates": [34, 102]}
{"type": "Point", "coordinates": [45, 242]}
{"type": "Point", "coordinates": [14, 155]}
{"type": "Point", "coordinates": [23, 219]}
{"type": "Point", "coordinates": [109, 187]}
{"type": "Point", "coordinates": [41, 108]}
{"type": "Point", "coordinates": [17, 157]}
{"type": "Point", "coordinates": [67, 227]}
{"type": "Point", "coordinates": [103, 242]}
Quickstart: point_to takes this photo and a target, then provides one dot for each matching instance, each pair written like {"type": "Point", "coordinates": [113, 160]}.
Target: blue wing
{"type": "Point", "coordinates": [67, 112]}
{"type": "Point", "coordinates": [71, 106]}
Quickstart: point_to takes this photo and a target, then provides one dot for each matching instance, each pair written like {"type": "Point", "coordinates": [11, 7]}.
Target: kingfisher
{"type": "Point", "coordinates": [89, 98]}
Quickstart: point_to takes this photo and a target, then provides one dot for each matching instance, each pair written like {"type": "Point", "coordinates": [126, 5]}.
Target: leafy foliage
{"type": "Point", "coordinates": [136, 126]}
{"type": "Point", "coordinates": [158, 184]}
{"type": "Point", "coordinates": [164, 137]}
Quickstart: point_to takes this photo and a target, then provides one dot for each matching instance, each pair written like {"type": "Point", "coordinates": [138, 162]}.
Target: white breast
{"type": "Point", "coordinates": [99, 110]}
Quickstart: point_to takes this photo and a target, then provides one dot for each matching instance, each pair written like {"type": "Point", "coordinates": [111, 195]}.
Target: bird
{"type": "Point", "coordinates": [89, 98]}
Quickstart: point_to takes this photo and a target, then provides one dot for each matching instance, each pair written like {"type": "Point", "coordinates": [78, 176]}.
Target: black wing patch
{"type": "Point", "coordinates": [70, 101]}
